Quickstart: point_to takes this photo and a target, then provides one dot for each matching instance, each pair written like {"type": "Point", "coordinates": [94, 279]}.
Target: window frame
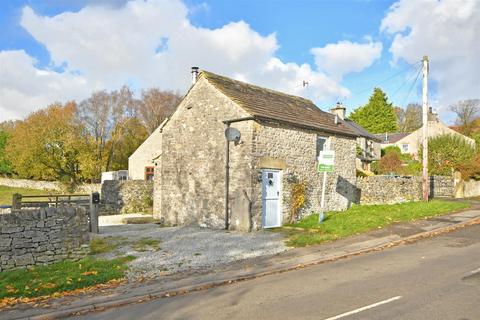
{"type": "Point", "coordinates": [148, 174]}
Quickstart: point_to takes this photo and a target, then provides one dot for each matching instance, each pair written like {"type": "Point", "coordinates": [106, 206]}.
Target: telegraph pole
{"type": "Point", "coordinates": [425, 182]}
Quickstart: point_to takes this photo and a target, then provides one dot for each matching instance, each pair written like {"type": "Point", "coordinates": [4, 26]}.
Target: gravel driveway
{"type": "Point", "coordinates": [186, 248]}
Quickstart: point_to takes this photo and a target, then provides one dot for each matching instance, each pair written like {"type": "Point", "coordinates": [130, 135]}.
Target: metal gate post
{"type": "Point", "coordinates": [94, 201]}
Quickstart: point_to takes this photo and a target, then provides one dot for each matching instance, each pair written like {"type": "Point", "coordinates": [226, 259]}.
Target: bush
{"type": "Point", "coordinates": [390, 149]}
{"type": "Point", "coordinates": [298, 197]}
{"type": "Point", "coordinates": [471, 169]}
{"type": "Point", "coordinates": [395, 149]}
{"type": "Point", "coordinates": [447, 153]}
{"type": "Point", "coordinates": [413, 168]}
{"type": "Point", "coordinates": [374, 167]}
{"type": "Point", "coordinates": [390, 163]}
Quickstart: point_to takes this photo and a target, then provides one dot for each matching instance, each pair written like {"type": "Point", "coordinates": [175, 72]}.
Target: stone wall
{"type": "Point", "coordinates": [390, 189]}
{"type": "Point", "coordinates": [31, 237]}
{"type": "Point", "coordinates": [442, 186]}
{"type": "Point", "coordinates": [126, 196]}
{"type": "Point", "coordinates": [467, 189]}
{"type": "Point", "coordinates": [47, 185]}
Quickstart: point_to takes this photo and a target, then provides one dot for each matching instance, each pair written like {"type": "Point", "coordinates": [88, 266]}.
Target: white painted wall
{"type": "Point", "coordinates": [144, 155]}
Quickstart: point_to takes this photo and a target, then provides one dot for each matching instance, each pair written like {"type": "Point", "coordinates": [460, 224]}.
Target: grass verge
{"type": "Point", "coordinates": [359, 219]}
{"type": "Point", "coordinates": [6, 193]}
{"type": "Point", "coordinates": [60, 277]}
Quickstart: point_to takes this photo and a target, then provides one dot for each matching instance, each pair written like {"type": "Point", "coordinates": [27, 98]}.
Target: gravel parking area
{"type": "Point", "coordinates": [177, 249]}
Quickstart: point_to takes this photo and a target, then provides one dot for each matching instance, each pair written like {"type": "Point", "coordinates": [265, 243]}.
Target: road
{"type": "Point", "coordinates": [436, 278]}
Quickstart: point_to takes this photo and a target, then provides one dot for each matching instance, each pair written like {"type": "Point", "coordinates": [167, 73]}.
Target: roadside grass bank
{"type": "Point", "coordinates": [6, 193]}
{"type": "Point", "coordinates": [360, 219]}
{"type": "Point", "coordinates": [60, 277]}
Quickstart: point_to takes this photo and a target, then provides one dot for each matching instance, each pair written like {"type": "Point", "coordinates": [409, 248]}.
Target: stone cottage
{"type": "Point", "coordinates": [281, 136]}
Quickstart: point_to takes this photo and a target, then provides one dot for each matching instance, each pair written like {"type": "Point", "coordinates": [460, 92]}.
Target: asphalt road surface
{"type": "Point", "coordinates": [436, 278]}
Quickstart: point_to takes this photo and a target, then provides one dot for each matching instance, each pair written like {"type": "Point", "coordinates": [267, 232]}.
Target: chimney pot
{"type": "Point", "coordinates": [194, 74]}
{"type": "Point", "coordinates": [339, 110]}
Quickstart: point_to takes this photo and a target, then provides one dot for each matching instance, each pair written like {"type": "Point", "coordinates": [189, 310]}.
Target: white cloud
{"type": "Point", "coordinates": [153, 43]}
{"type": "Point", "coordinates": [448, 31]}
{"type": "Point", "coordinates": [343, 57]}
{"type": "Point", "coordinates": [24, 88]}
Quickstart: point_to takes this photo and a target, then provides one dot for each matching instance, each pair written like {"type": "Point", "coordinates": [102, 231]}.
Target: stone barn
{"type": "Point", "coordinates": [281, 136]}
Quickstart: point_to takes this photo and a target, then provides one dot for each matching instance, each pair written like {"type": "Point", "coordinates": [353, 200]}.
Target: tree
{"type": "Point", "coordinates": [446, 153]}
{"type": "Point", "coordinates": [5, 165]}
{"type": "Point", "coordinates": [47, 145]}
{"type": "Point", "coordinates": [413, 118]}
{"type": "Point", "coordinates": [104, 115]}
{"type": "Point", "coordinates": [155, 106]}
{"type": "Point", "coordinates": [400, 113]}
{"type": "Point", "coordinates": [466, 111]}
{"type": "Point", "coordinates": [378, 115]}
{"type": "Point", "coordinates": [132, 135]}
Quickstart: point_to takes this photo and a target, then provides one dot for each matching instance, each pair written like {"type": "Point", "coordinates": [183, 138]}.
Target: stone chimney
{"type": "Point", "coordinates": [339, 110]}
{"type": "Point", "coordinates": [194, 74]}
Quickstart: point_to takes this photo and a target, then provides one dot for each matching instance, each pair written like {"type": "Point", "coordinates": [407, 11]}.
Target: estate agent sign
{"type": "Point", "coordinates": [326, 161]}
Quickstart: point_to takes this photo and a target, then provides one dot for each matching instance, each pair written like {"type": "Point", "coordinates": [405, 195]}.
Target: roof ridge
{"type": "Point", "coordinates": [208, 73]}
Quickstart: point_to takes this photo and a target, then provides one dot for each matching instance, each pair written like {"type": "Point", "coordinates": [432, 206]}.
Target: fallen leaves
{"type": "Point", "coordinates": [42, 300]}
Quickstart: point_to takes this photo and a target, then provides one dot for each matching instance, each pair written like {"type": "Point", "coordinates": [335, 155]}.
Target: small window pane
{"type": "Point", "coordinates": [320, 144]}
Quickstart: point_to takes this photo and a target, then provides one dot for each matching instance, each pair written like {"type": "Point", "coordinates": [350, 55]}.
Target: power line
{"type": "Point", "coordinates": [411, 66]}
{"type": "Point", "coordinates": [408, 79]}
{"type": "Point", "coordinates": [413, 85]}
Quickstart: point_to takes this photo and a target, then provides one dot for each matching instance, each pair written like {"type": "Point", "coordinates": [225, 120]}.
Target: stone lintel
{"type": "Point", "coordinates": [272, 163]}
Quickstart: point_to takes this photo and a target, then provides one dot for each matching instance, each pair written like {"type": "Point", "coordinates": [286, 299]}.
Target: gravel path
{"type": "Point", "coordinates": [187, 248]}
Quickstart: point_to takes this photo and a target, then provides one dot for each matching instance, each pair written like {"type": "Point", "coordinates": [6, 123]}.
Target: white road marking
{"type": "Point", "coordinates": [364, 308]}
{"type": "Point", "coordinates": [475, 271]}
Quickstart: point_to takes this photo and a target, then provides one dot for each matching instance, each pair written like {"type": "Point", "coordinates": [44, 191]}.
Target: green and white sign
{"type": "Point", "coordinates": [326, 161]}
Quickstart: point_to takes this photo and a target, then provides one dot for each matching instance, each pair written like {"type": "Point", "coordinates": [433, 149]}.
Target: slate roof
{"type": "Point", "coordinates": [392, 137]}
{"type": "Point", "coordinates": [266, 104]}
{"type": "Point", "coordinates": [361, 131]}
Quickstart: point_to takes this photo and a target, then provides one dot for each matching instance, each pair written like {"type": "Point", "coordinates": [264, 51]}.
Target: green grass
{"type": "Point", "coordinates": [6, 193]}
{"type": "Point", "coordinates": [60, 277]}
{"type": "Point", "coordinates": [147, 244]}
{"type": "Point", "coordinates": [106, 244]}
{"type": "Point", "coordinates": [359, 219]}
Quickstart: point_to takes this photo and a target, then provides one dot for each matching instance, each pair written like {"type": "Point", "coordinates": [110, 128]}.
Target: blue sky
{"type": "Point", "coordinates": [272, 43]}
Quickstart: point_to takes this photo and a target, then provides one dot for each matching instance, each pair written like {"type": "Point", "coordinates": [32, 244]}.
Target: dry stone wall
{"type": "Point", "coordinates": [43, 236]}
{"type": "Point", "coordinates": [126, 196]}
{"type": "Point", "coordinates": [391, 189]}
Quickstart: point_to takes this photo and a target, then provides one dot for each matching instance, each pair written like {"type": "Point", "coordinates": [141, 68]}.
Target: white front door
{"type": "Point", "coordinates": [271, 194]}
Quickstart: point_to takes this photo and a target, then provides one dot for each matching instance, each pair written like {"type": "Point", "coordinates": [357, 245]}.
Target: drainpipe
{"type": "Point", "coordinates": [227, 167]}
{"type": "Point", "coordinates": [227, 179]}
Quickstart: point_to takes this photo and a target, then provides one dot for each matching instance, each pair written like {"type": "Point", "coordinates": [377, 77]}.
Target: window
{"type": "Point", "coordinates": [321, 144]}
{"type": "Point", "coordinates": [149, 171]}
{"type": "Point", "coordinates": [405, 147]}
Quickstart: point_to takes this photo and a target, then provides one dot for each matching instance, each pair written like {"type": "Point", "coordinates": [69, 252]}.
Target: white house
{"type": "Point", "coordinates": [141, 163]}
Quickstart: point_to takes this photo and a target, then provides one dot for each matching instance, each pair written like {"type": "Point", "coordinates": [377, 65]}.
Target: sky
{"type": "Point", "coordinates": [61, 50]}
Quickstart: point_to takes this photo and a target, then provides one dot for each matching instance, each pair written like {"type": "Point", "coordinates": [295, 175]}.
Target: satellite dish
{"type": "Point", "coordinates": [232, 134]}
